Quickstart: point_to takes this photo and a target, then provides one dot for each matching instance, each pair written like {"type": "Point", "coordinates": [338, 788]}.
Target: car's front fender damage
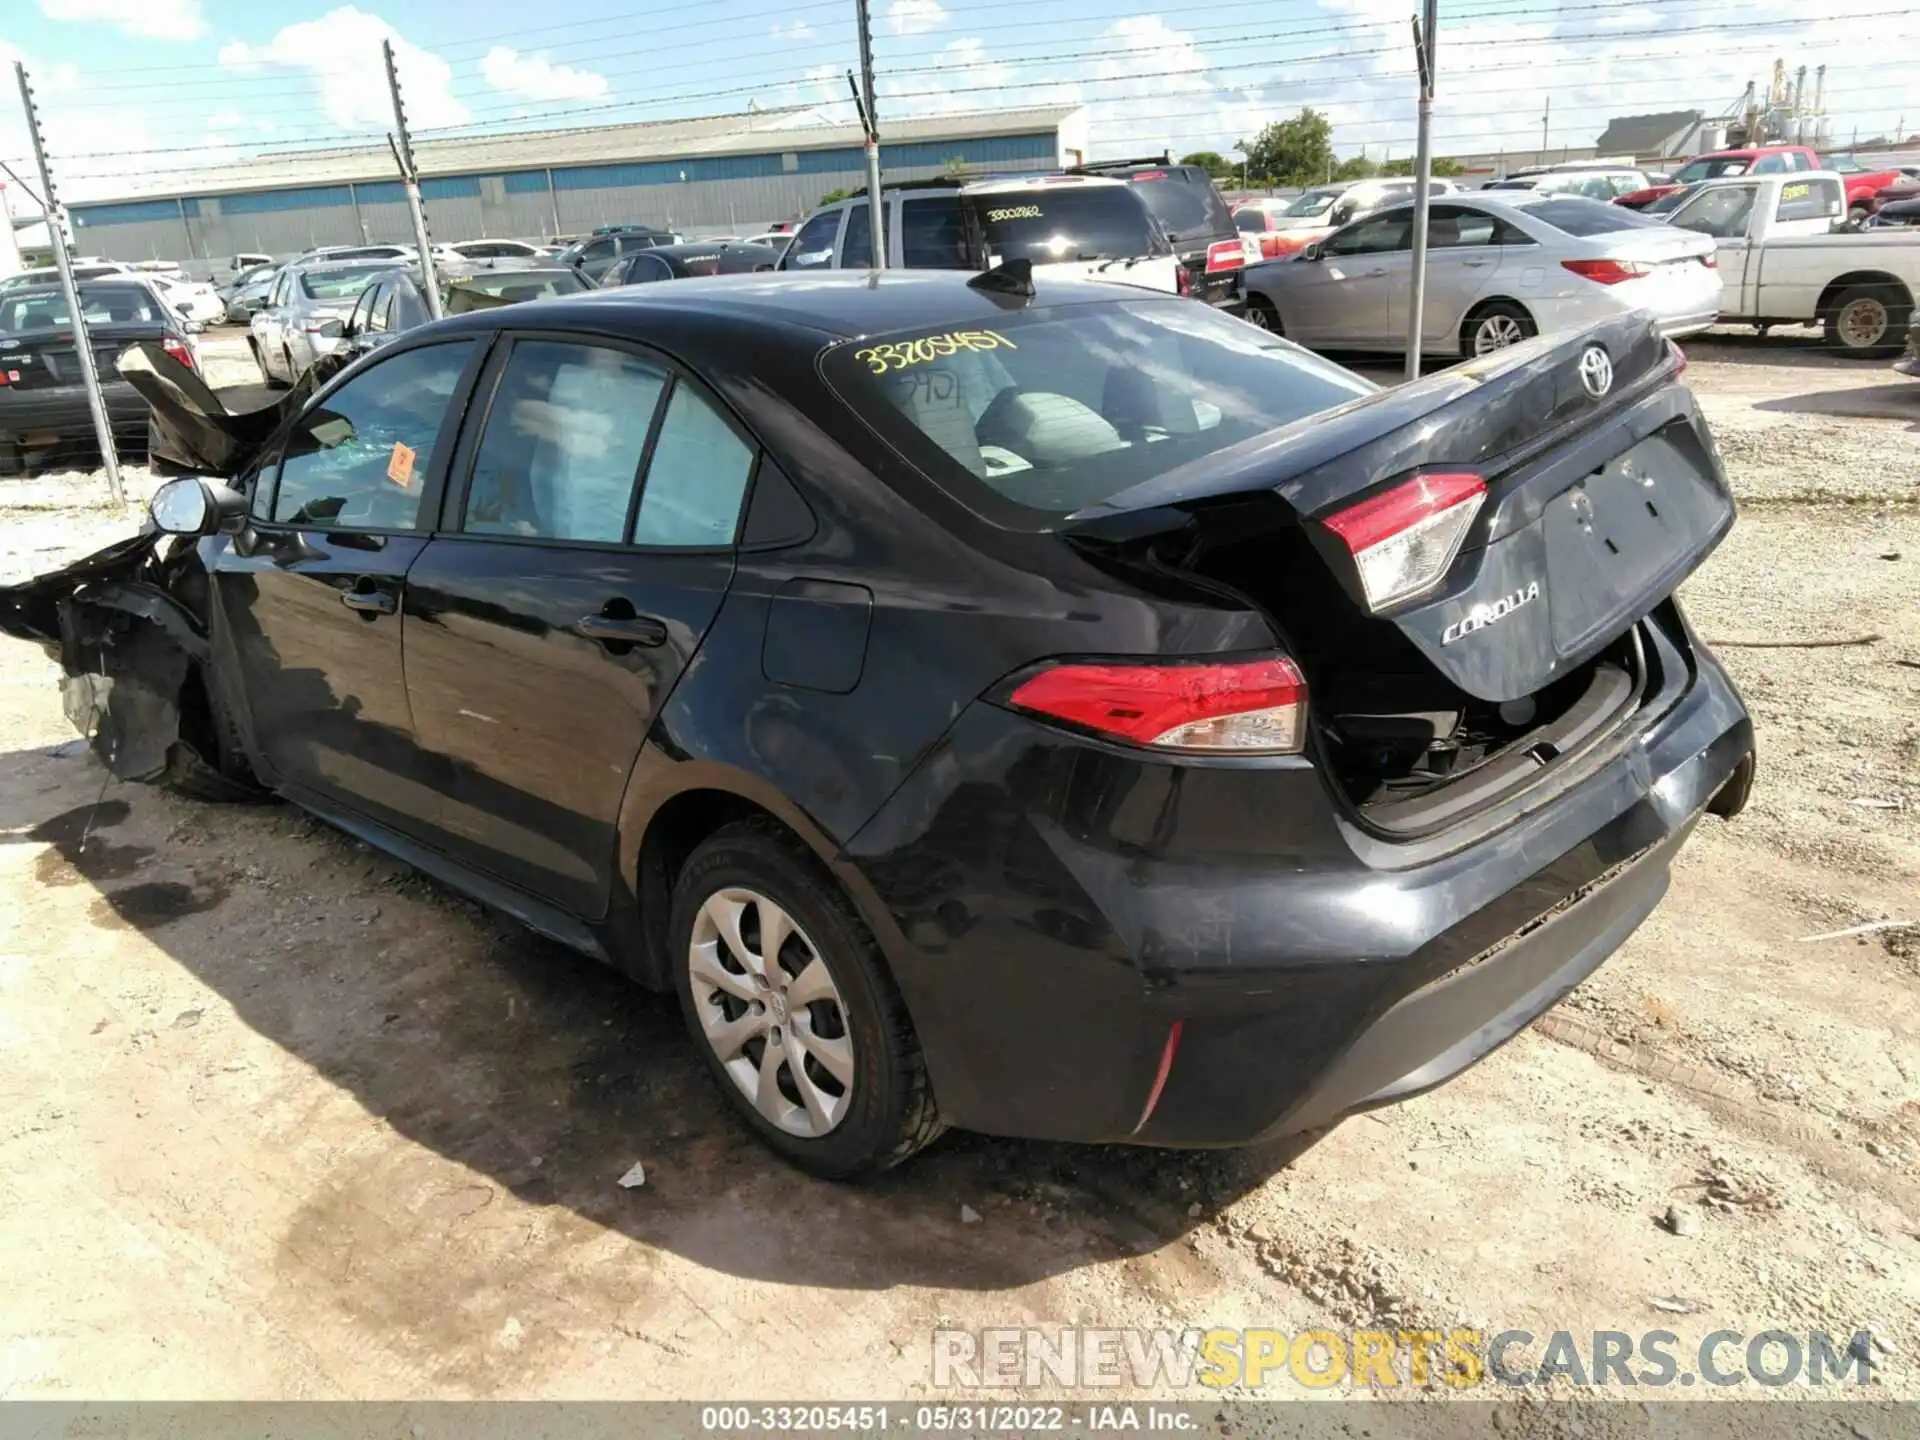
{"type": "Point", "coordinates": [126, 647]}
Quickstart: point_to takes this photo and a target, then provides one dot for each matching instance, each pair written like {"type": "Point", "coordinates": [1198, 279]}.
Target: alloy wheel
{"type": "Point", "coordinates": [1257, 315]}
{"type": "Point", "coordinates": [1863, 323]}
{"type": "Point", "coordinates": [1497, 332]}
{"type": "Point", "coordinates": [770, 1009]}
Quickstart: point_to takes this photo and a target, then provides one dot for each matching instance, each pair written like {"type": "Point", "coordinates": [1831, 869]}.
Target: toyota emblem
{"type": "Point", "coordinates": [1596, 371]}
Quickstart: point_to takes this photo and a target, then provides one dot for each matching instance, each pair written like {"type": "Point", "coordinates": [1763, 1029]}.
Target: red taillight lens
{"type": "Point", "coordinates": [1403, 540]}
{"type": "Point", "coordinates": [1249, 707]}
{"type": "Point", "coordinates": [1712, 262]}
{"type": "Point", "coordinates": [179, 350]}
{"type": "Point", "coordinates": [1183, 280]}
{"type": "Point", "coordinates": [1225, 255]}
{"type": "Point", "coordinates": [1679, 359]}
{"type": "Point", "coordinates": [1607, 272]}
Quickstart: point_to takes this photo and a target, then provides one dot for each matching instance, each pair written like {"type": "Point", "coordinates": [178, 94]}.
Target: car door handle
{"type": "Point", "coordinates": [1476, 264]}
{"type": "Point", "coordinates": [622, 629]}
{"type": "Point", "coordinates": [368, 599]}
{"type": "Point", "coordinates": [1376, 273]}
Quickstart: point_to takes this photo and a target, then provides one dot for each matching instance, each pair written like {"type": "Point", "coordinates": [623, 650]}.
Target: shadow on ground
{"type": "Point", "coordinates": [546, 1075]}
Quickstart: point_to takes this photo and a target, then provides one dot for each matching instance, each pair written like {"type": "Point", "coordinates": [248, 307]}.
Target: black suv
{"type": "Point", "coordinates": [1197, 221]}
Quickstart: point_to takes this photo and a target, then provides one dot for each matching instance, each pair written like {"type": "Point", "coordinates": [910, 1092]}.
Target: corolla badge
{"type": "Point", "coordinates": [1596, 371]}
{"type": "Point", "coordinates": [1489, 613]}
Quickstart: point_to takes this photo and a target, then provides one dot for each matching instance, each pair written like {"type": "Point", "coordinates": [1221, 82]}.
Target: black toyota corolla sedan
{"type": "Point", "coordinates": [1073, 714]}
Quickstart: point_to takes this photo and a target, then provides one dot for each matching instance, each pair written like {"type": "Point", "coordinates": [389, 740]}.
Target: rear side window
{"type": "Point", "coordinates": [856, 250]}
{"type": "Point", "coordinates": [1066, 222]}
{"type": "Point", "coordinates": [564, 437]}
{"type": "Point", "coordinates": [1574, 216]}
{"type": "Point", "coordinates": [933, 233]}
{"type": "Point", "coordinates": [1184, 201]}
{"type": "Point", "coordinates": [1053, 411]}
{"type": "Point", "coordinates": [696, 477]}
{"type": "Point", "coordinates": [360, 459]}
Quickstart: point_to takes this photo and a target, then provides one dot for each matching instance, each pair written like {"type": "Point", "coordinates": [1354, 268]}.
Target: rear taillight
{"type": "Point", "coordinates": [1712, 262]}
{"type": "Point", "coordinates": [1183, 280]}
{"type": "Point", "coordinates": [1245, 707]}
{"type": "Point", "coordinates": [1679, 359]}
{"type": "Point", "coordinates": [1225, 255]}
{"type": "Point", "coordinates": [179, 350]}
{"type": "Point", "coordinates": [1608, 272]}
{"type": "Point", "coordinates": [1403, 540]}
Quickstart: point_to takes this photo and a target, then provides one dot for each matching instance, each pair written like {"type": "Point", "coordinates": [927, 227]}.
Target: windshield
{"type": "Point", "coordinates": [339, 284]}
{"type": "Point", "coordinates": [1095, 222]}
{"type": "Point", "coordinates": [1314, 202]}
{"type": "Point", "coordinates": [1695, 170]}
{"type": "Point", "coordinates": [1058, 410]}
{"type": "Point", "coordinates": [1185, 207]}
{"type": "Point", "coordinates": [100, 304]}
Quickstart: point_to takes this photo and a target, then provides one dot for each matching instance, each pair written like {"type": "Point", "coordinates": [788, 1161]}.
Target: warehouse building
{"type": "Point", "coordinates": [735, 173]}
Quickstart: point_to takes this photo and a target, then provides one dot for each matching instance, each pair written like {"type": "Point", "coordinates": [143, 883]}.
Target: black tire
{"type": "Point", "coordinates": [1851, 334]}
{"type": "Point", "coordinates": [260, 360]}
{"type": "Point", "coordinates": [890, 1110]}
{"type": "Point", "coordinates": [1260, 312]}
{"type": "Point", "coordinates": [1505, 314]}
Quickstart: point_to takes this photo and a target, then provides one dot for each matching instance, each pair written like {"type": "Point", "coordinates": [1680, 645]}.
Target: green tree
{"type": "Point", "coordinates": [1212, 161]}
{"type": "Point", "coordinates": [1292, 152]}
{"type": "Point", "coordinates": [1358, 167]}
{"type": "Point", "coordinates": [832, 196]}
{"type": "Point", "coordinates": [1444, 167]}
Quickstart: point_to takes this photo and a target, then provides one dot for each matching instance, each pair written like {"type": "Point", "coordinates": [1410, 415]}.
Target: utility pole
{"type": "Point", "coordinates": [872, 121]}
{"type": "Point", "coordinates": [1546, 116]}
{"type": "Point", "coordinates": [410, 179]}
{"type": "Point", "coordinates": [1424, 38]}
{"type": "Point", "coordinates": [82, 347]}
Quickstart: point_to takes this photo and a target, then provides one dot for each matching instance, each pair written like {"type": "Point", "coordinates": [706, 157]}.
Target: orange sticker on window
{"type": "Point", "coordinates": [400, 466]}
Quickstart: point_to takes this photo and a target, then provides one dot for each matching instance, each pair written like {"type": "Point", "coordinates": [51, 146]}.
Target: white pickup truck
{"type": "Point", "coordinates": [1787, 259]}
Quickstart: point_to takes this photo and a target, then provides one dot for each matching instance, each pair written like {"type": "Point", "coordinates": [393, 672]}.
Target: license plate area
{"type": "Point", "coordinates": [1616, 538]}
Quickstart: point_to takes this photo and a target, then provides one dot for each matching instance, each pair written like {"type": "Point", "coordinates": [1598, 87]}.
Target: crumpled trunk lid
{"type": "Point", "coordinates": [191, 428]}
{"type": "Point", "coordinates": [1603, 494]}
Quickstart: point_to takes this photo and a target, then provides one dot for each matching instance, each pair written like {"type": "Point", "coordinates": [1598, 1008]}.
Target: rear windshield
{"type": "Point", "coordinates": [1057, 410]}
{"type": "Point", "coordinates": [514, 286]}
{"type": "Point", "coordinates": [1314, 202]}
{"type": "Point", "coordinates": [1185, 206]}
{"type": "Point", "coordinates": [339, 284]}
{"type": "Point", "coordinates": [1574, 216]}
{"type": "Point", "coordinates": [1094, 222]}
{"type": "Point", "coordinates": [100, 304]}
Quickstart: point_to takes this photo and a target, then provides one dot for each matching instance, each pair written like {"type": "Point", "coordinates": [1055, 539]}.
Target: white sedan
{"type": "Point", "coordinates": [1501, 266]}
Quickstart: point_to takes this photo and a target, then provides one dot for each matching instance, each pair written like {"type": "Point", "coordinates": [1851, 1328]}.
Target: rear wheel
{"type": "Point", "coordinates": [1260, 312]}
{"type": "Point", "coordinates": [792, 1008]}
{"type": "Point", "coordinates": [1868, 322]}
{"type": "Point", "coordinates": [1494, 326]}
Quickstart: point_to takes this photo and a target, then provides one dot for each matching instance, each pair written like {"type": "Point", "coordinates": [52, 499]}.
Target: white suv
{"type": "Point", "coordinates": [1079, 226]}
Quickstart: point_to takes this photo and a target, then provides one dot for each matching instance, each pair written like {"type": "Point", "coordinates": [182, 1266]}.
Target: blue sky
{"type": "Point", "coordinates": [132, 87]}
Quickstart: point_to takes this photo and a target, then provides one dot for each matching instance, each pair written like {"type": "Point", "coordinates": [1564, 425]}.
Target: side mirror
{"type": "Point", "coordinates": [1312, 252]}
{"type": "Point", "coordinates": [332, 329]}
{"type": "Point", "coordinates": [193, 505]}
{"type": "Point", "coordinates": [1341, 214]}
{"type": "Point", "coordinates": [183, 308]}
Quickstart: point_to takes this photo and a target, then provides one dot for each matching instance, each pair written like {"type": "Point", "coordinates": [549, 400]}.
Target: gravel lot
{"type": "Point", "coordinates": [279, 1118]}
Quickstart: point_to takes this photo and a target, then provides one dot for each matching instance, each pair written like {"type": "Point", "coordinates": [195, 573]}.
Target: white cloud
{"type": "Point", "coordinates": [914, 17]}
{"type": "Point", "coordinates": [798, 31]}
{"type": "Point", "coordinates": [149, 19]}
{"type": "Point", "coordinates": [532, 77]}
{"type": "Point", "coordinates": [341, 50]}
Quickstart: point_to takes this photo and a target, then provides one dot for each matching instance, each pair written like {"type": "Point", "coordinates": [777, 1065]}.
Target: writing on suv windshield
{"type": "Point", "coordinates": [1049, 226]}
{"type": "Point", "coordinates": [1057, 410]}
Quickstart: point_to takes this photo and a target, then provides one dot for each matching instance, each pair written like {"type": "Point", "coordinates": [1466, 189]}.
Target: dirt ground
{"type": "Point", "coordinates": [280, 1118]}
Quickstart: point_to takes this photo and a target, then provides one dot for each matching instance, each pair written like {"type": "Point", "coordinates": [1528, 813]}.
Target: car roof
{"type": "Point", "coordinates": [839, 304]}
{"type": "Point", "coordinates": [987, 185]}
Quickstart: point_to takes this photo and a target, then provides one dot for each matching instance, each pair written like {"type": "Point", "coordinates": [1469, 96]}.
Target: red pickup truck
{"type": "Point", "coordinates": [1863, 185]}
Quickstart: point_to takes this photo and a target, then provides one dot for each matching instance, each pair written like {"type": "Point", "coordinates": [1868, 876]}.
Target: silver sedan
{"type": "Point", "coordinates": [1501, 266]}
{"type": "Point", "coordinates": [305, 315]}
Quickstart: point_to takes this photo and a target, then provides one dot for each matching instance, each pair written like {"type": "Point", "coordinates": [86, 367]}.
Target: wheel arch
{"type": "Point", "coordinates": [1848, 281]}
{"type": "Point", "coordinates": [1480, 307]}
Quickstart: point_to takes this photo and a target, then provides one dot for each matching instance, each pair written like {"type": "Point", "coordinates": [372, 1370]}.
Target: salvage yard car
{"type": "Point", "coordinates": [1038, 707]}
{"type": "Point", "coordinates": [43, 398]}
{"type": "Point", "coordinates": [1501, 266]}
{"type": "Point", "coordinates": [1783, 262]}
{"type": "Point", "coordinates": [305, 315]}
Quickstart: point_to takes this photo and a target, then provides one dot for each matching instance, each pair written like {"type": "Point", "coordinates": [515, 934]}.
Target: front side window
{"type": "Point", "coordinates": [1314, 202]}
{"type": "Point", "coordinates": [1452, 226]}
{"type": "Point", "coordinates": [1056, 410]}
{"type": "Point", "coordinates": [1376, 235]}
{"type": "Point", "coordinates": [933, 233]}
{"type": "Point", "coordinates": [696, 479]}
{"type": "Point", "coordinates": [361, 320]}
{"type": "Point", "coordinates": [561, 451]}
{"type": "Point", "coordinates": [360, 458]}
{"type": "Point", "coordinates": [1722, 212]}
{"type": "Point", "coordinates": [812, 248]}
